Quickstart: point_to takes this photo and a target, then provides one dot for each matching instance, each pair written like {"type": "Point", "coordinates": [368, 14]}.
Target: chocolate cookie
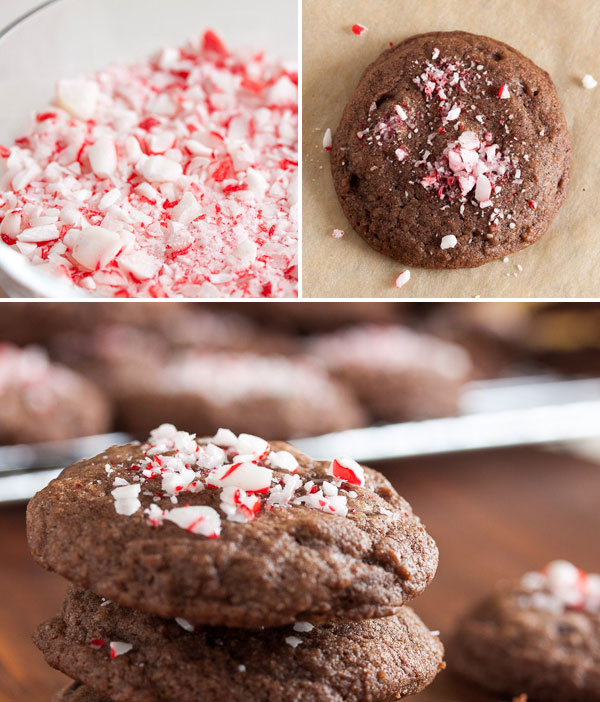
{"type": "Point", "coordinates": [231, 531]}
{"type": "Point", "coordinates": [398, 374]}
{"type": "Point", "coordinates": [266, 395]}
{"type": "Point", "coordinates": [43, 401]}
{"type": "Point", "coordinates": [540, 636]}
{"type": "Point", "coordinates": [453, 151]}
{"type": "Point", "coordinates": [161, 660]}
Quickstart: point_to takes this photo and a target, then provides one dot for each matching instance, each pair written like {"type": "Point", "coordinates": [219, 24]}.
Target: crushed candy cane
{"type": "Point", "coordinates": [327, 140]}
{"type": "Point", "coordinates": [561, 586]}
{"type": "Point", "coordinates": [348, 470]}
{"type": "Point", "coordinates": [359, 29]}
{"type": "Point", "coordinates": [463, 162]}
{"type": "Point", "coordinates": [448, 242]}
{"type": "Point", "coordinates": [402, 279]}
{"type": "Point", "coordinates": [118, 648]}
{"type": "Point", "coordinates": [173, 177]}
{"type": "Point", "coordinates": [249, 475]}
{"type": "Point", "coordinates": [293, 641]}
{"type": "Point", "coordinates": [589, 82]}
{"type": "Point", "coordinates": [337, 233]}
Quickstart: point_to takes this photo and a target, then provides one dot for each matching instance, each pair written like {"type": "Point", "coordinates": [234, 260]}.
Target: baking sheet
{"type": "Point", "coordinates": [559, 35]}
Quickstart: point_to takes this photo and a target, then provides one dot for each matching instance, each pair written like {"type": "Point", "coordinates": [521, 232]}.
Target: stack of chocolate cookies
{"type": "Point", "coordinates": [232, 569]}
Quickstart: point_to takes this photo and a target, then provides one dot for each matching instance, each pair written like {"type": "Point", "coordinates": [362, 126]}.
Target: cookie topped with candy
{"type": "Point", "coordinates": [232, 530]}
{"type": "Point", "coordinates": [539, 635]}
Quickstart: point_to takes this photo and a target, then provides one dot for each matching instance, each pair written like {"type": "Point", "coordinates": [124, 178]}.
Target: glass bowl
{"type": "Point", "coordinates": [66, 38]}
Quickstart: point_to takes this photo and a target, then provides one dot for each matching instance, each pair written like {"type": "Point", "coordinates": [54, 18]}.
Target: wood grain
{"type": "Point", "coordinates": [494, 515]}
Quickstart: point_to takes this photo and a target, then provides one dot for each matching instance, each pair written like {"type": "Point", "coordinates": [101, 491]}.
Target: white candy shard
{"type": "Point", "coordinates": [448, 242]}
{"type": "Point", "coordinates": [327, 140]}
{"type": "Point", "coordinates": [159, 169]}
{"type": "Point", "coordinates": [246, 251]}
{"type": "Point", "coordinates": [254, 445]}
{"type": "Point", "coordinates": [402, 279]}
{"type": "Point", "coordinates": [224, 437]}
{"type": "Point", "coordinates": [303, 627]}
{"type": "Point", "coordinates": [103, 157]}
{"type": "Point", "coordinates": [283, 460]}
{"type": "Point", "coordinates": [79, 97]}
{"type": "Point", "coordinates": [126, 499]}
{"type": "Point", "coordinates": [47, 232]}
{"type": "Point", "coordinates": [187, 209]}
{"type": "Point", "coordinates": [11, 224]}
{"type": "Point", "coordinates": [184, 624]}
{"type": "Point", "coordinates": [96, 247]}
{"type": "Point", "coordinates": [454, 114]}
{"type": "Point", "coordinates": [589, 82]}
{"type": "Point", "coordinates": [283, 92]}
{"type": "Point", "coordinates": [469, 140]}
{"type": "Point", "coordinates": [256, 183]}
{"type": "Point", "coordinates": [140, 265]}
{"type": "Point", "coordinates": [401, 112]}
{"type": "Point", "coordinates": [483, 189]}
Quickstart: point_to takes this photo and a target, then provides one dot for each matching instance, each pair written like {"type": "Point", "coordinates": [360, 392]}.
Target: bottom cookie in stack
{"type": "Point", "coordinates": [124, 655]}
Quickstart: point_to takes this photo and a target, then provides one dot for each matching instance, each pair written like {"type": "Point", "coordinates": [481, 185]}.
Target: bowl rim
{"type": "Point", "coordinates": [21, 18]}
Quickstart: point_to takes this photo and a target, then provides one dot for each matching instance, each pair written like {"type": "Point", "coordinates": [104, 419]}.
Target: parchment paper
{"type": "Point", "coordinates": [561, 36]}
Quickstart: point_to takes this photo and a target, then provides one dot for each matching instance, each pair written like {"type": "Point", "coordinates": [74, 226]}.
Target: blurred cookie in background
{"type": "Point", "coordinates": [35, 322]}
{"type": "Point", "coordinates": [311, 317]}
{"type": "Point", "coordinates": [122, 356]}
{"type": "Point", "coordinates": [539, 636]}
{"type": "Point", "coordinates": [44, 401]}
{"type": "Point", "coordinates": [397, 374]}
{"type": "Point", "coordinates": [565, 337]}
{"type": "Point", "coordinates": [116, 357]}
{"type": "Point", "coordinates": [490, 331]}
{"type": "Point", "coordinates": [272, 396]}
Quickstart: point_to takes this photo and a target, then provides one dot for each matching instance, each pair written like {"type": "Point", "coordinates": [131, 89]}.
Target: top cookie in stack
{"type": "Point", "coordinates": [233, 532]}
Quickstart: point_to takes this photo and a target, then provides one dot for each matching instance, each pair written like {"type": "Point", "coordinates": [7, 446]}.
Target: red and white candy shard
{"type": "Point", "coordinates": [239, 505]}
{"type": "Point", "coordinates": [561, 586]}
{"type": "Point", "coordinates": [197, 519]}
{"type": "Point", "coordinates": [348, 470]}
{"type": "Point", "coordinates": [118, 648]}
{"type": "Point", "coordinates": [359, 29]}
{"type": "Point", "coordinates": [337, 233]}
{"type": "Point", "coordinates": [504, 92]}
{"type": "Point", "coordinates": [173, 177]}
{"type": "Point", "coordinates": [327, 140]}
{"type": "Point", "coordinates": [247, 476]}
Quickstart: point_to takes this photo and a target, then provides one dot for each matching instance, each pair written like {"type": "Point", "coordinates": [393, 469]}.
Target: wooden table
{"type": "Point", "coordinates": [494, 515]}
